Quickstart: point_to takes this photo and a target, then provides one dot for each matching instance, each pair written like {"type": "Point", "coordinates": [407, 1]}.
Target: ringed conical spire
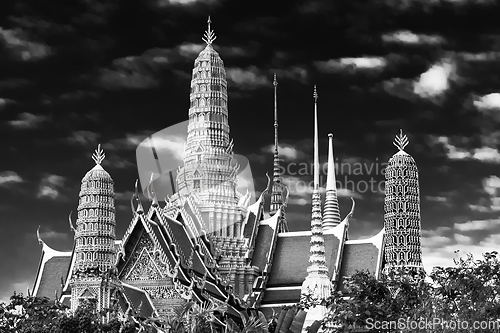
{"type": "Point", "coordinates": [331, 216]}
{"type": "Point", "coordinates": [277, 195]}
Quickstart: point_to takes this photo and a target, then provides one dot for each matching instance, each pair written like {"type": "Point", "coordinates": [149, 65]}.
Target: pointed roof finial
{"type": "Point", "coordinates": [401, 141]}
{"type": "Point", "coordinates": [151, 191]}
{"type": "Point", "coordinates": [98, 155]}
{"type": "Point", "coordinates": [71, 222]}
{"type": "Point", "coordinates": [139, 209]}
{"type": "Point", "coordinates": [209, 35]}
{"type": "Point", "coordinates": [315, 95]}
{"type": "Point", "coordinates": [40, 241]}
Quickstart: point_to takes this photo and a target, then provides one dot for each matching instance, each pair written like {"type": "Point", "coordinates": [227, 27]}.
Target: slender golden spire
{"type": "Point", "coordinates": [331, 215]}
{"type": "Point", "coordinates": [209, 35]}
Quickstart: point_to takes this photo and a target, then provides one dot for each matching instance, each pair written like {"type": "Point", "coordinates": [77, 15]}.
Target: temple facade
{"type": "Point", "coordinates": [208, 243]}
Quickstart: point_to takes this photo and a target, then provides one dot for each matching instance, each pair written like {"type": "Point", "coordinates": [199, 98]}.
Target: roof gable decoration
{"type": "Point", "coordinates": [189, 223]}
{"type": "Point", "coordinates": [351, 213]}
{"type": "Point", "coordinates": [151, 193]}
{"type": "Point", "coordinates": [70, 274]}
{"type": "Point", "coordinates": [193, 225]}
{"type": "Point", "coordinates": [47, 254]}
{"type": "Point", "coordinates": [147, 227]}
{"type": "Point", "coordinates": [186, 292]}
{"type": "Point", "coordinates": [144, 268]}
{"type": "Point", "coordinates": [174, 245]}
{"type": "Point", "coordinates": [340, 232]}
{"type": "Point", "coordinates": [256, 209]}
{"type": "Point", "coordinates": [130, 305]}
{"type": "Point", "coordinates": [136, 212]}
{"type": "Point", "coordinates": [244, 200]}
{"type": "Point", "coordinates": [171, 272]}
{"type": "Point", "coordinates": [273, 224]}
{"type": "Point", "coordinates": [120, 253]}
{"type": "Point", "coordinates": [153, 247]}
{"type": "Point", "coordinates": [191, 204]}
{"type": "Point", "coordinates": [258, 291]}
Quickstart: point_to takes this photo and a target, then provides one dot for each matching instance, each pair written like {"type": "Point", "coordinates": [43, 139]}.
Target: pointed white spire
{"type": "Point", "coordinates": [317, 282]}
{"type": "Point", "coordinates": [316, 145]}
{"type": "Point", "coordinates": [331, 216]}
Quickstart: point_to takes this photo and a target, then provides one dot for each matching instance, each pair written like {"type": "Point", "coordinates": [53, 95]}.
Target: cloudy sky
{"type": "Point", "coordinates": [74, 74]}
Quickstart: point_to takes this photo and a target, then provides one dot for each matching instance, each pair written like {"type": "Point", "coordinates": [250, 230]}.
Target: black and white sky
{"type": "Point", "coordinates": [77, 73]}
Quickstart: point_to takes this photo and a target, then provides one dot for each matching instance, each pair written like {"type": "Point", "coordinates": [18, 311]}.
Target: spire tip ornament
{"type": "Point", "coordinates": [209, 35]}
{"type": "Point", "coordinates": [401, 141]}
{"type": "Point", "coordinates": [315, 94]}
{"type": "Point", "coordinates": [98, 155]}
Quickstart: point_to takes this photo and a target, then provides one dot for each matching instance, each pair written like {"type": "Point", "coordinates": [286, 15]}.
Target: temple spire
{"type": "Point", "coordinates": [402, 208]}
{"type": "Point", "coordinates": [317, 282]}
{"type": "Point", "coordinates": [94, 249]}
{"type": "Point", "coordinates": [277, 195]}
{"type": "Point", "coordinates": [316, 148]}
{"type": "Point", "coordinates": [331, 216]}
{"type": "Point", "coordinates": [209, 35]}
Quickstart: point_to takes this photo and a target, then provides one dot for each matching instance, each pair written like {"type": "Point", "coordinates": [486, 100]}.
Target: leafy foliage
{"type": "Point", "coordinates": [453, 299]}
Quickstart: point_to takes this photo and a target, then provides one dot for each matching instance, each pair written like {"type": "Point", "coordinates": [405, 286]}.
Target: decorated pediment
{"type": "Point", "coordinates": [144, 268]}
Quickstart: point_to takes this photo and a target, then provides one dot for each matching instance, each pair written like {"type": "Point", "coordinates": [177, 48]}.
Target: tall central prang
{"type": "Point", "coordinates": [209, 171]}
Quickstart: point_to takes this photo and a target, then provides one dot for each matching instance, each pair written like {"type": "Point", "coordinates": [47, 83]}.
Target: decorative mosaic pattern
{"type": "Point", "coordinates": [402, 210]}
{"type": "Point", "coordinates": [138, 259]}
{"type": "Point", "coordinates": [161, 292]}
